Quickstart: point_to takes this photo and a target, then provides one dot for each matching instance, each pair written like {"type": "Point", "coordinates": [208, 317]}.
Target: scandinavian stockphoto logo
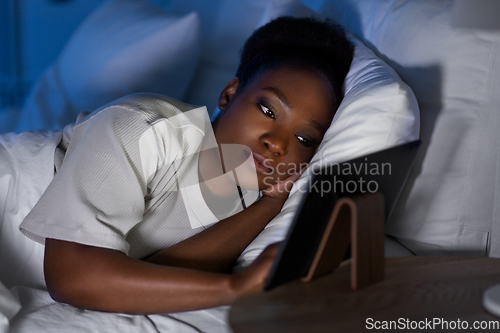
{"type": "Point", "coordinates": [346, 177]}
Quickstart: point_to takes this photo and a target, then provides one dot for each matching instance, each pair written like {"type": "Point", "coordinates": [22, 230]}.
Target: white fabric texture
{"type": "Point", "coordinates": [9, 306]}
{"type": "Point", "coordinates": [378, 111]}
{"type": "Point", "coordinates": [26, 169]}
{"type": "Point", "coordinates": [123, 47]}
{"type": "Point", "coordinates": [450, 204]}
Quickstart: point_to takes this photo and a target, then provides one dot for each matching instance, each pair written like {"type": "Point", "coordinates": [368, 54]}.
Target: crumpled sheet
{"type": "Point", "coordinates": [9, 306]}
{"type": "Point", "coordinates": [26, 169]}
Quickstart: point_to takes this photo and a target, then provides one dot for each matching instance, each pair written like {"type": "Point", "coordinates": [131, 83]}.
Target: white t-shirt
{"type": "Point", "coordinates": [128, 179]}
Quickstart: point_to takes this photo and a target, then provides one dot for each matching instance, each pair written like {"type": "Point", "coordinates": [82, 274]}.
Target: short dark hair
{"type": "Point", "coordinates": [297, 42]}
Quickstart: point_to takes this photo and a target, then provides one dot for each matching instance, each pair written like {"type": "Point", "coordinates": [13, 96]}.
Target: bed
{"type": "Point", "coordinates": [414, 75]}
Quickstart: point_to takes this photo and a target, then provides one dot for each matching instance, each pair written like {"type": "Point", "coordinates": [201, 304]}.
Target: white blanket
{"type": "Point", "coordinates": [26, 169]}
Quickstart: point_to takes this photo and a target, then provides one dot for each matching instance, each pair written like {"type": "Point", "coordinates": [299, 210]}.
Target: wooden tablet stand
{"type": "Point", "coordinates": [358, 221]}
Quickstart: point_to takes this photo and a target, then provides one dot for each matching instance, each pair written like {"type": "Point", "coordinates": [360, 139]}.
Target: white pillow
{"type": "Point", "coordinates": [451, 205]}
{"type": "Point", "coordinates": [378, 111]}
{"type": "Point", "coordinates": [123, 47]}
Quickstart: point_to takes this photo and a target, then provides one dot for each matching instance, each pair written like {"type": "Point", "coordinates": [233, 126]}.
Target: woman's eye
{"type": "Point", "coordinates": [305, 142]}
{"type": "Point", "coordinates": [267, 111]}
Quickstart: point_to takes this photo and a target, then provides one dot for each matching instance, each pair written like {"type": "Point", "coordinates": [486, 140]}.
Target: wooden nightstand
{"type": "Point", "coordinates": [415, 291]}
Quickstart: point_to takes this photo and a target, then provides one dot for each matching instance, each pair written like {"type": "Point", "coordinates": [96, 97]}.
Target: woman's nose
{"type": "Point", "coordinates": [276, 144]}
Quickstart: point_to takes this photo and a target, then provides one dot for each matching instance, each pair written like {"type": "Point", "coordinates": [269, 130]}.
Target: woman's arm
{"type": "Point", "coordinates": [108, 280]}
{"type": "Point", "coordinates": [217, 248]}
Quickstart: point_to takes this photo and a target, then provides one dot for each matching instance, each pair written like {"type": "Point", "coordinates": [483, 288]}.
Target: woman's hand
{"type": "Point", "coordinates": [279, 191]}
{"type": "Point", "coordinates": [253, 278]}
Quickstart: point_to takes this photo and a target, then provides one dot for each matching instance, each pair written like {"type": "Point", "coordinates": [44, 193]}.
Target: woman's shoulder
{"type": "Point", "coordinates": [154, 105]}
{"type": "Point", "coordinates": [152, 108]}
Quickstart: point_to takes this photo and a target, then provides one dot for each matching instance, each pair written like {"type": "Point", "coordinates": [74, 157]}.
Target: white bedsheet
{"type": "Point", "coordinates": [9, 306]}
{"type": "Point", "coordinates": [26, 169]}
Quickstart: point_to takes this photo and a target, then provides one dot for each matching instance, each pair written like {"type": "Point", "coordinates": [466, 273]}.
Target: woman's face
{"type": "Point", "coordinates": [281, 116]}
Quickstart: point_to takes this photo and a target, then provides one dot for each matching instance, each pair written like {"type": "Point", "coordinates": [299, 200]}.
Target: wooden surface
{"type": "Point", "coordinates": [414, 288]}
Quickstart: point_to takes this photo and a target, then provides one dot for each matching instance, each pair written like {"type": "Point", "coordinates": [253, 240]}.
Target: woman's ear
{"type": "Point", "coordinates": [227, 94]}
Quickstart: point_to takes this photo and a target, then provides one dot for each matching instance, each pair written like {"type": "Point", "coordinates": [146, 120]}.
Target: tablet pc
{"type": "Point", "coordinates": [384, 171]}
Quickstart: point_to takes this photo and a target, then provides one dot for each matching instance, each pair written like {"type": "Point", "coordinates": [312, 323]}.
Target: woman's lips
{"type": "Point", "coordinates": [261, 164]}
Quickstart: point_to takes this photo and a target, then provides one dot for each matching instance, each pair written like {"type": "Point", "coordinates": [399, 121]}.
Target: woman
{"type": "Point", "coordinates": [122, 235]}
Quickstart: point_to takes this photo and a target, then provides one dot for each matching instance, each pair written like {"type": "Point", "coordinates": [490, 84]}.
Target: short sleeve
{"type": "Point", "coordinates": [97, 196]}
